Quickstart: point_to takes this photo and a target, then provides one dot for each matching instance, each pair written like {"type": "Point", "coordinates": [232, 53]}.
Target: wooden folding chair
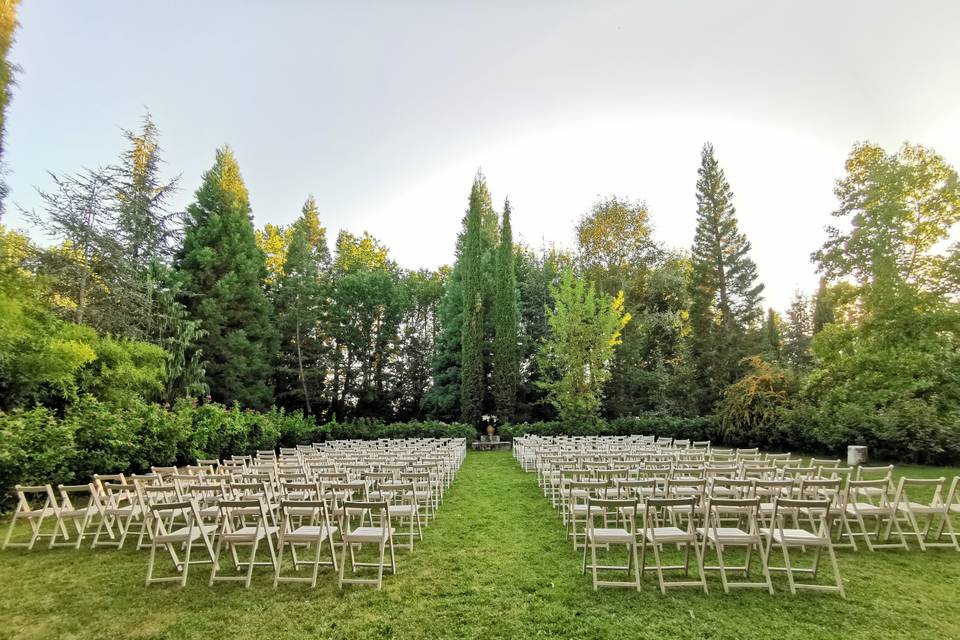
{"type": "Point", "coordinates": [578, 493]}
{"type": "Point", "coordinates": [654, 535]}
{"type": "Point", "coordinates": [611, 513]}
{"type": "Point", "coordinates": [819, 539]}
{"type": "Point", "coordinates": [715, 535]}
{"type": "Point", "coordinates": [122, 507]}
{"type": "Point", "coordinates": [80, 505]}
{"type": "Point", "coordinates": [243, 523]}
{"type": "Point", "coordinates": [306, 523]}
{"type": "Point", "coordinates": [34, 504]}
{"type": "Point", "coordinates": [404, 507]}
{"type": "Point", "coordinates": [355, 537]}
{"type": "Point", "coordinates": [912, 512]}
{"type": "Point", "coordinates": [171, 537]}
{"type": "Point", "coordinates": [870, 499]}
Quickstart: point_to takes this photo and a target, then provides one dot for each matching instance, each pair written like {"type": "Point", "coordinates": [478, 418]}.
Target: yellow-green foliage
{"type": "Point", "coordinates": [752, 403]}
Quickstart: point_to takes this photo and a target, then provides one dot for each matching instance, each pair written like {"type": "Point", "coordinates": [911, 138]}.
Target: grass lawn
{"type": "Point", "coordinates": [495, 564]}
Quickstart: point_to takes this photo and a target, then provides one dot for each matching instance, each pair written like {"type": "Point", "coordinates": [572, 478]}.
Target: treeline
{"type": "Point", "coordinates": [134, 300]}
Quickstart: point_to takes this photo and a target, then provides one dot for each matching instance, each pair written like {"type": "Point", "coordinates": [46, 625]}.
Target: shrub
{"type": "Point", "coordinates": [35, 448]}
{"type": "Point", "coordinates": [751, 405]}
{"type": "Point", "coordinates": [374, 430]}
{"type": "Point", "coordinates": [653, 424]}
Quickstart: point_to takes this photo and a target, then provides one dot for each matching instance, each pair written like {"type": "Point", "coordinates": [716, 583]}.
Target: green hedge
{"type": "Point", "coordinates": [374, 430]}
{"type": "Point", "coordinates": [37, 446]}
{"type": "Point", "coordinates": [652, 424]}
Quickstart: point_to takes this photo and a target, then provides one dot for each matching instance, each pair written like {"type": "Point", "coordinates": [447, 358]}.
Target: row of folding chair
{"type": "Point", "coordinates": [214, 506]}
{"type": "Point", "coordinates": [768, 501]}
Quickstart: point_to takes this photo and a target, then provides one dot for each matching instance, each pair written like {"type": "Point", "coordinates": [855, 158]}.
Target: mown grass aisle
{"type": "Point", "coordinates": [495, 564]}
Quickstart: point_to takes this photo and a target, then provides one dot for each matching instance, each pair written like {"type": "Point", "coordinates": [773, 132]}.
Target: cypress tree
{"type": "Point", "coordinates": [506, 365]}
{"type": "Point", "coordinates": [822, 307]}
{"type": "Point", "coordinates": [797, 333]}
{"type": "Point", "coordinates": [222, 270]}
{"type": "Point", "coordinates": [725, 294]}
{"type": "Point", "coordinates": [444, 395]}
{"type": "Point", "coordinates": [471, 348]}
{"type": "Point", "coordinates": [771, 336]}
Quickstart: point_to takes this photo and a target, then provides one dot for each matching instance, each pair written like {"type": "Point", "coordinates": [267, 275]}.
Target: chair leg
{"type": "Point", "coordinates": [253, 559]}
{"type": "Point", "coordinates": [593, 557]}
{"type": "Point", "coordinates": [6, 539]}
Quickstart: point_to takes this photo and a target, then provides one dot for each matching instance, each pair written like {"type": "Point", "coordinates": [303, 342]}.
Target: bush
{"type": "Point", "coordinates": [752, 405]}
{"type": "Point", "coordinates": [651, 424]}
{"type": "Point", "coordinates": [35, 448]}
{"type": "Point", "coordinates": [374, 430]}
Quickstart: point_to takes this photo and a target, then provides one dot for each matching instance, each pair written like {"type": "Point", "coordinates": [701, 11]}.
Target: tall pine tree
{"type": "Point", "coordinates": [506, 365]}
{"type": "Point", "coordinates": [725, 294]}
{"type": "Point", "coordinates": [222, 271]}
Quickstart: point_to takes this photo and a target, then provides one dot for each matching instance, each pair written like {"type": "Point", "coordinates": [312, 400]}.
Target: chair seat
{"type": "Point", "coordinates": [666, 534]}
{"type": "Point", "coordinates": [309, 533]}
{"type": "Point", "coordinates": [36, 513]}
{"type": "Point", "coordinates": [184, 534]}
{"type": "Point", "coordinates": [581, 509]}
{"type": "Point", "coordinates": [726, 535]}
{"type": "Point", "coordinates": [79, 513]}
{"type": "Point", "coordinates": [866, 509]}
{"type": "Point", "coordinates": [403, 510]}
{"type": "Point", "coordinates": [610, 536]}
{"type": "Point", "coordinates": [794, 537]}
{"type": "Point", "coordinates": [367, 534]}
{"type": "Point", "coordinates": [132, 510]}
{"type": "Point", "coordinates": [918, 507]}
{"type": "Point", "coordinates": [248, 534]}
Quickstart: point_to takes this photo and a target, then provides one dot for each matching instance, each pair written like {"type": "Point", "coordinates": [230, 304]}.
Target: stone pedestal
{"type": "Point", "coordinates": [856, 455]}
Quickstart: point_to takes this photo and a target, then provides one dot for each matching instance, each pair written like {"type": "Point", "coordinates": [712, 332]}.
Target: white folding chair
{"type": "Point", "coordinates": [715, 535]}
{"type": "Point", "coordinates": [936, 510]}
{"type": "Point", "coordinates": [871, 499]}
{"type": "Point", "coordinates": [656, 513]}
{"type": "Point", "coordinates": [243, 523]}
{"type": "Point", "coordinates": [121, 507]}
{"type": "Point", "coordinates": [404, 507]}
{"type": "Point", "coordinates": [166, 534]}
{"type": "Point", "coordinates": [304, 522]}
{"type": "Point", "coordinates": [612, 512]}
{"type": "Point", "coordinates": [355, 537]}
{"type": "Point", "coordinates": [79, 504]}
{"type": "Point", "coordinates": [818, 539]}
{"type": "Point", "coordinates": [34, 504]}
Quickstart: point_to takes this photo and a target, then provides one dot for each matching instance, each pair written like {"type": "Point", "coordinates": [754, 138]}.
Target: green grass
{"type": "Point", "coordinates": [495, 564]}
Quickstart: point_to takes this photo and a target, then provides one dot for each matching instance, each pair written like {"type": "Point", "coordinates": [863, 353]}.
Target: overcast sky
{"type": "Point", "coordinates": [384, 111]}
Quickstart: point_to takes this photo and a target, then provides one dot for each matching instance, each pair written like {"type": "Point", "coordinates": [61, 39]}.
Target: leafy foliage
{"type": "Point", "coordinates": [575, 359]}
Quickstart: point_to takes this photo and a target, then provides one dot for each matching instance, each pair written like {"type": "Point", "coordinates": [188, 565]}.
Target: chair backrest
{"type": "Point", "coordinates": [733, 488]}
{"type": "Point", "coordinates": [78, 496]}
{"type": "Point", "coordinates": [719, 509]}
{"type": "Point", "coordinates": [816, 510]}
{"type": "Point", "coordinates": [875, 473]}
{"type": "Point", "coordinates": [364, 510]}
{"type": "Point", "coordinates": [905, 494]}
{"type": "Point", "coordinates": [611, 510]}
{"type": "Point", "coordinates": [655, 510]}
{"type": "Point", "coordinates": [34, 498]}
